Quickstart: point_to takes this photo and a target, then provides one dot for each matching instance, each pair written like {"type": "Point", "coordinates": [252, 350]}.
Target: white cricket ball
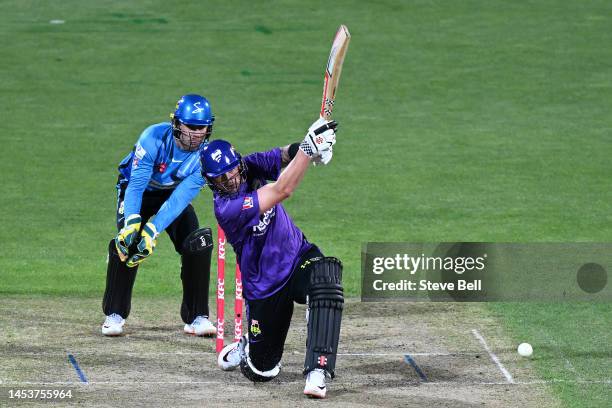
{"type": "Point", "coordinates": [525, 349]}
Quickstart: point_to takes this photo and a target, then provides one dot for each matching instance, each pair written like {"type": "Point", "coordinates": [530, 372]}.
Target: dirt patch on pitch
{"type": "Point", "coordinates": [156, 364]}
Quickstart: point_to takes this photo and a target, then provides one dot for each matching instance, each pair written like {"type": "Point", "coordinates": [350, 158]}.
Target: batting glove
{"type": "Point", "coordinates": [127, 236]}
{"type": "Point", "coordinates": [324, 158]}
{"type": "Point", "coordinates": [321, 136]}
{"type": "Point", "coordinates": [148, 240]}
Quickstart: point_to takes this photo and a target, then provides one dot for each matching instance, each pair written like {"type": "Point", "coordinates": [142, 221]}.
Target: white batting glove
{"type": "Point", "coordinates": [321, 136]}
{"type": "Point", "coordinates": [323, 158]}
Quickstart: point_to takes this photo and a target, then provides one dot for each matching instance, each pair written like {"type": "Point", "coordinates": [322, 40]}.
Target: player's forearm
{"type": "Point", "coordinates": [180, 198]}
{"type": "Point", "coordinates": [133, 197]}
{"type": "Point", "coordinates": [136, 186]}
{"type": "Point", "coordinates": [274, 193]}
{"type": "Point", "coordinates": [291, 177]}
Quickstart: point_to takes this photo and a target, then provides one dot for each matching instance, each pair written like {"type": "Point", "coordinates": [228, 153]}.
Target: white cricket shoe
{"type": "Point", "coordinates": [113, 325]}
{"type": "Point", "coordinates": [200, 326]}
{"type": "Point", "coordinates": [231, 355]}
{"type": "Point", "coordinates": [315, 384]}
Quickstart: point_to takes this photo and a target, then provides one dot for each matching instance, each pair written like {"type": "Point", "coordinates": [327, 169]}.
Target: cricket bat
{"type": "Point", "coordinates": [333, 70]}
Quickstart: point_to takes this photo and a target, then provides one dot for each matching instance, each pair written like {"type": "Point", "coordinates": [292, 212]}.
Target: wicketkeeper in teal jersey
{"type": "Point", "coordinates": [157, 181]}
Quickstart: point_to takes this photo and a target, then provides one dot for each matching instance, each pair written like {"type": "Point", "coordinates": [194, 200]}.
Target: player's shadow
{"type": "Point", "coordinates": [160, 329]}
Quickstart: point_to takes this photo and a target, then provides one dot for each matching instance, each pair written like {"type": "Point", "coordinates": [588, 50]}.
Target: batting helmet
{"type": "Point", "coordinates": [192, 110]}
{"type": "Point", "coordinates": [218, 158]}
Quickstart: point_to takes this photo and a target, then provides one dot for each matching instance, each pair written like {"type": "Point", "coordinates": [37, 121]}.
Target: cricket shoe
{"type": "Point", "coordinates": [200, 326]}
{"type": "Point", "coordinates": [315, 384]}
{"type": "Point", "coordinates": [113, 325]}
{"type": "Point", "coordinates": [231, 355]}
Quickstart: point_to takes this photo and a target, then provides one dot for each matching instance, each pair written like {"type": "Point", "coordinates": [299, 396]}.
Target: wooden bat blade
{"type": "Point", "coordinates": [333, 70]}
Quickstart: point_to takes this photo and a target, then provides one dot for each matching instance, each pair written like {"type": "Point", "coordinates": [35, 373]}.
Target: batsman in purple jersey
{"type": "Point", "coordinates": [268, 245]}
{"type": "Point", "coordinates": [279, 266]}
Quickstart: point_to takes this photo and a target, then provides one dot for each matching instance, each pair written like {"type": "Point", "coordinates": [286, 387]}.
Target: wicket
{"type": "Point", "coordinates": [221, 294]}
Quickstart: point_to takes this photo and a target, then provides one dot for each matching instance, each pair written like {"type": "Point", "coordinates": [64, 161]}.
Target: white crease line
{"type": "Point", "coordinates": [568, 364]}
{"type": "Point", "coordinates": [114, 353]}
{"type": "Point", "coordinates": [290, 383]}
{"type": "Point", "coordinates": [399, 354]}
{"type": "Point", "coordinates": [501, 367]}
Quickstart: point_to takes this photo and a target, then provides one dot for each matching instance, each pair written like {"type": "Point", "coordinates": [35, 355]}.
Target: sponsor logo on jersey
{"type": "Point", "coordinates": [247, 203]}
{"type": "Point", "coordinates": [216, 155]}
{"type": "Point", "coordinates": [255, 329]}
{"type": "Point", "coordinates": [139, 151]}
{"type": "Point", "coordinates": [264, 220]}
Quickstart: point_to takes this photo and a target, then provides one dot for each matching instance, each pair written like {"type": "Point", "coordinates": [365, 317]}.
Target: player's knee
{"type": "Point", "coordinates": [255, 374]}
{"type": "Point", "coordinates": [326, 283]}
{"type": "Point", "coordinates": [252, 373]}
{"type": "Point", "coordinates": [325, 304]}
{"type": "Point", "coordinates": [112, 249]}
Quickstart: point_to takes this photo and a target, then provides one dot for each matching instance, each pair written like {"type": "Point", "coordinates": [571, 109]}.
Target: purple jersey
{"type": "Point", "coordinates": [269, 245]}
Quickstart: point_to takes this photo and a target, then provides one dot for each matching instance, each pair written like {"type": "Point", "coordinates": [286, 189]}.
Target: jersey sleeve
{"type": "Point", "coordinates": [265, 164]}
{"type": "Point", "coordinates": [237, 214]}
{"type": "Point", "coordinates": [180, 198]}
{"type": "Point", "coordinates": [143, 162]}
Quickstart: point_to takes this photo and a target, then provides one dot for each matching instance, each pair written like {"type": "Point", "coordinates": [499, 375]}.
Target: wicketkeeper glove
{"type": "Point", "coordinates": [127, 236]}
{"type": "Point", "coordinates": [148, 240]}
{"type": "Point", "coordinates": [321, 137]}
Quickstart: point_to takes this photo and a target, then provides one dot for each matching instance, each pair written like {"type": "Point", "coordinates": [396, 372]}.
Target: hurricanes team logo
{"type": "Point", "coordinates": [255, 330]}
{"type": "Point", "coordinates": [216, 155]}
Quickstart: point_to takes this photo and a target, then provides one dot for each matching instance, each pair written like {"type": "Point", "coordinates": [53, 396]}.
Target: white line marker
{"type": "Point", "coordinates": [400, 354]}
{"type": "Point", "coordinates": [56, 22]}
{"type": "Point", "coordinates": [501, 367]}
{"type": "Point", "coordinates": [289, 383]}
{"type": "Point", "coordinates": [210, 353]}
{"type": "Point", "coordinates": [568, 364]}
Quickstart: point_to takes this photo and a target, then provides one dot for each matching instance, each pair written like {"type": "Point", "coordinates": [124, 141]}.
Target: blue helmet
{"type": "Point", "coordinates": [217, 158]}
{"type": "Point", "coordinates": [194, 111]}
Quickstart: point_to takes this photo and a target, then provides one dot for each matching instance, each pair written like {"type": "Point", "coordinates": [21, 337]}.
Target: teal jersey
{"type": "Point", "coordinates": [156, 163]}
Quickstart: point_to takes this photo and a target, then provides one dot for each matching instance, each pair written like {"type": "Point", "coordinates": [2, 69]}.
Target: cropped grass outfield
{"type": "Point", "coordinates": [460, 121]}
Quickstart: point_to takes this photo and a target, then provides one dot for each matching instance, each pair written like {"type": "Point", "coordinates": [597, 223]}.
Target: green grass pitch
{"type": "Point", "coordinates": [459, 121]}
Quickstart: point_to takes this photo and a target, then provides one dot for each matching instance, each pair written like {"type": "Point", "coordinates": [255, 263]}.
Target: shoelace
{"type": "Point", "coordinates": [234, 353]}
{"type": "Point", "coordinates": [113, 319]}
{"type": "Point", "coordinates": [317, 376]}
{"type": "Point", "coordinates": [200, 320]}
